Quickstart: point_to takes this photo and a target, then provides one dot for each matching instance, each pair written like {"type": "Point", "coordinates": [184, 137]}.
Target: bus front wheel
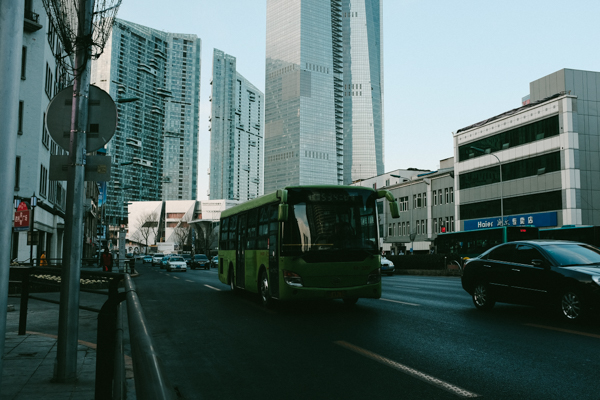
{"type": "Point", "coordinates": [265, 295]}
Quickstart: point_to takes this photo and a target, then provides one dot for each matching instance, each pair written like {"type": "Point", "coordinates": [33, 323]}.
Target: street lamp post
{"type": "Point", "coordinates": [477, 149]}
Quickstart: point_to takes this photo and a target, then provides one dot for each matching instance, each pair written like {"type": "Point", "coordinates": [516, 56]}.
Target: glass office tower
{"type": "Point", "coordinates": [154, 151]}
{"type": "Point", "coordinates": [303, 93]}
{"type": "Point", "coordinates": [324, 92]}
{"type": "Point", "coordinates": [363, 89]}
{"type": "Point", "coordinates": [236, 133]}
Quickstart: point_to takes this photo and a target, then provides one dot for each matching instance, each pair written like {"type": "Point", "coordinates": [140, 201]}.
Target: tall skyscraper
{"type": "Point", "coordinates": [324, 117]}
{"type": "Point", "coordinates": [363, 89]}
{"type": "Point", "coordinates": [304, 93]}
{"type": "Point", "coordinates": [155, 148]}
{"type": "Point", "coordinates": [236, 133]}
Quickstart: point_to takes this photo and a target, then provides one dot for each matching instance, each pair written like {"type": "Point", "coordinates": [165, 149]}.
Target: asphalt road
{"type": "Point", "coordinates": [423, 340]}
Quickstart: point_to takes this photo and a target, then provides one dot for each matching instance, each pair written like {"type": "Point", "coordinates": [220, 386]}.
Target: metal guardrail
{"type": "Point", "coordinates": [150, 380]}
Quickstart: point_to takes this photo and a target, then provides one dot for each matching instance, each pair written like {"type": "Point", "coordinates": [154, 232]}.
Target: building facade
{"type": "Point", "coordinates": [42, 77]}
{"type": "Point", "coordinates": [535, 165]}
{"type": "Point", "coordinates": [363, 89]}
{"type": "Point", "coordinates": [426, 203]}
{"type": "Point", "coordinates": [236, 133]}
{"type": "Point", "coordinates": [304, 133]}
{"type": "Point", "coordinates": [154, 77]}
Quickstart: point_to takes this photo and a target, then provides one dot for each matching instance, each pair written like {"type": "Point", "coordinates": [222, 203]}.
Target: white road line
{"type": "Point", "coordinates": [409, 287]}
{"type": "Point", "coordinates": [174, 277]}
{"type": "Point", "coordinates": [187, 280]}
{"type": "Point", "coordinates": [213, 288]}
{"type": "Point", "coordinates": [401, 302]}
{"type": "Point", "coordinates": [409, 371]}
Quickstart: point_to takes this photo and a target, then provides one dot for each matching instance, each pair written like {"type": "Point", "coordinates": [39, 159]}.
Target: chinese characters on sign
{"type": "Point", "coordinates": [21, 217]}
{"type": "Point", "coordinates": [538, 220]}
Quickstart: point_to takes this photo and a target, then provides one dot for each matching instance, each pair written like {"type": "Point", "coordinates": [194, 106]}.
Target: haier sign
{"type": "Point", "coordinates": [539, 220]}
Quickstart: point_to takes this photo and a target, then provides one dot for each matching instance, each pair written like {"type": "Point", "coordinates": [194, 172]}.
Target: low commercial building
{"type": "Point", "coordinates": [538, 164]}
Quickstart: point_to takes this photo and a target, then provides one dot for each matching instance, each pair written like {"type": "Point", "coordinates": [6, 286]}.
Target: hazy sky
{"type": "Point", "coordinates": [447, 64]}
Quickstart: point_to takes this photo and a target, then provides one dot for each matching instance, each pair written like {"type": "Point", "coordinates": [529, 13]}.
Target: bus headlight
{"type": "Point", "coordinates": [374, 276]}
{"type": "Point", "coordinates": [292, 278]}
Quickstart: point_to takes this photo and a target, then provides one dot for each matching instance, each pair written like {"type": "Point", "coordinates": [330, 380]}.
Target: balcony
{"type": "Point", "coordinates": [31, 23]}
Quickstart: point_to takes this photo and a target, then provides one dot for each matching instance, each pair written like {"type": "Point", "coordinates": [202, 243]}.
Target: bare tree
{"type": "Point", "coordinates": [147, 227]}
{"type": "Point", "coordinates": [206, 239]}
{"type": "Point", "coordinates": [182, 233]}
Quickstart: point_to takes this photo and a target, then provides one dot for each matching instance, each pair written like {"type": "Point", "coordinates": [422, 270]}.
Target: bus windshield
{"type": "Point", "coordinates": [330, 220]}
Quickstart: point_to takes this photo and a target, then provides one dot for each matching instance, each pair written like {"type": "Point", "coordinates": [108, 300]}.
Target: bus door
{"type": "Point", "coordinates": [273, 250]}
{"type": "Point", "coordinates": [240, 258]}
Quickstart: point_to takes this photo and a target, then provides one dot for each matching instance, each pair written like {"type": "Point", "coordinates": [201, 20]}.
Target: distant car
{"type": "Point", "coordinates": [187, 258]}
{"type": "Point", "coordinates": [157, 258]}
{"type": "Point", "coordinates": [387, 267]}
{"type": "Point", "coordinates": [164, 261]}
{"type": "Point", "coordinates": [147, 259]}
{"type": "Point", "coordinates": [200, 261]}
{"type": "Point", "coordinates": [214, 262]}
{"type": "Point", "coordinates": [556, 273]}
{"type": "Point", "coordinates": [176, 263]}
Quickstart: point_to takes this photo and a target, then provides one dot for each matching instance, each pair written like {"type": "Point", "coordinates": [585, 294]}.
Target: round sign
{"type": "Point", "coordinates": [102, 118]}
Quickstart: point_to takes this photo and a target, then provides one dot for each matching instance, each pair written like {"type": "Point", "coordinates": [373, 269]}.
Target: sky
{"type": "Point", "coordinates": [447, 64]}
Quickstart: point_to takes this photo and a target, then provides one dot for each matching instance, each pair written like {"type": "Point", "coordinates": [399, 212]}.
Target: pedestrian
{"type": "Point", "coordinates": [43, 262]}
{"type": "Point", "coordinates": [107, 261]}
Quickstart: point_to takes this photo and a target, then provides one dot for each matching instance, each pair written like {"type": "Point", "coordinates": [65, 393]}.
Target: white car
{"type": "Point", "coordinates": [157, 258]}
{"type": "Point", "coordinates": [176, 263]}
{"type": "Point", "coordinates": [387, 267]}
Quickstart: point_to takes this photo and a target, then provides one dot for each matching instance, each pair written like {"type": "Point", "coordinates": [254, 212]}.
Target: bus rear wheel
{"type": "Point", "coordinates": [263, 289]}
{"type": "Point", "coordinates": [231, 280]}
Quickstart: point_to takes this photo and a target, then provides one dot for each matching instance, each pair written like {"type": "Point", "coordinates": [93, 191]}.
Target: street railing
{"type": "Point", "coordinates": [150, 380]}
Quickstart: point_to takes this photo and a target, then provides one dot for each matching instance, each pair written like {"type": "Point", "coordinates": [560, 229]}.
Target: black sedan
{"type": "Point", "coordinates": [562, 274]}
{"type": "Point", "coordinates": [200, 261]}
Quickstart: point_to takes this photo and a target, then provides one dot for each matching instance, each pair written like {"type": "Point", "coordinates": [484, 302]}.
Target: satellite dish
{"type": "Point", "coordinates": [102, 118]}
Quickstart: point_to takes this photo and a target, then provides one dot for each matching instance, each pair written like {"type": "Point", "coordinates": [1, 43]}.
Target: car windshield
{"type": "Point", "coordinates": [201, 257]}
{"type": "Point", "coordinates": [573, 254]}
{"type": "Point", "coordinates": [330, 220]}
{"type": "Point", "coordinates": [177, 259]}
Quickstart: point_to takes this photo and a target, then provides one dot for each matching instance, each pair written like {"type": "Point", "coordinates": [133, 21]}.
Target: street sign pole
{"type": "Point", "coordinates": [68, 320]}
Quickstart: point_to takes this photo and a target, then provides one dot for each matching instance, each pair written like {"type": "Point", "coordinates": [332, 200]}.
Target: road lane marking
{"type": "Point", "coordinates": [213, 288]}
{"type": "Point", "coordinates": [174, 277]}
{"type": "Point", "coordinates": [401, 302]}
{"type": "Point", "coordinates": [551, 328]}
{"type": "Point", "coordinates": [409, 287]}
{"type": "Point", "coordinates": [187, 280]}
{"type": "Point", "coordinates": [409, 371]}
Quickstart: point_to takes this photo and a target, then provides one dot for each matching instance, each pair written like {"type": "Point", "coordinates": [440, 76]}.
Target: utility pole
{"type": "Point", "coordinates": [68, 320]}
{"type": "Point", "coordinates": [11, 48]}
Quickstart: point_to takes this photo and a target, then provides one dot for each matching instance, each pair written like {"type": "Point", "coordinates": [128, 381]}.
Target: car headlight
{"type": "Point", "coordinates": [596, 278]}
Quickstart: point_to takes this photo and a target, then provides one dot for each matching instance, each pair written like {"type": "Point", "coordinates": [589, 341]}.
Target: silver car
{"type": "Point", "coordinates": [176, 263]}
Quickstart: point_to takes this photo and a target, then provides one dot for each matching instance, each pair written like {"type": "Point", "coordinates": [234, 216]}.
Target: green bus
{"type": "Point", "coordinates": [304, 243]}
{"type": "Point", "coordinates": [578, 233]}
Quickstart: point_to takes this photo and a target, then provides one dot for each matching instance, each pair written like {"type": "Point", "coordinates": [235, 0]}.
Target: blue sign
{"type": "Point", "coordinates": [539, 220]}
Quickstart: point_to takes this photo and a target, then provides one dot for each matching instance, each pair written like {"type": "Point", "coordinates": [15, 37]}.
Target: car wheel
{"type": "Point", "coordinates": [572, 305]}
{"type": "Point", "coordinates": [265, 295]}
{"type": "Point", "coordinates": [482, 297]}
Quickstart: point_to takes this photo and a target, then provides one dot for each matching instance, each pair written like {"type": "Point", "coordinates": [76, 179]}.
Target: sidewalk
{"type": "Point", "coordinates": [28, 360]}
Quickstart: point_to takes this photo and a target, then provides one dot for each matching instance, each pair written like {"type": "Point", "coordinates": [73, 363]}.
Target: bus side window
{"type": "Point", "coordinates": [263, 227]}
{"type": "Point", "coordinates": [231, 242]}
{"type": "Point", "coordinates": [252, 229]}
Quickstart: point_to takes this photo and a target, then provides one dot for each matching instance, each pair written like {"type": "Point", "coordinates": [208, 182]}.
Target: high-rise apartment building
{"type": "Point", "coordinates": [363, 89]}
{"type": "Point", "coordinates": [155, 78]}
{"type": "Point", "coordinates": [323, 92]}
{"type": "Point", "coordinates": [236, 140]}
